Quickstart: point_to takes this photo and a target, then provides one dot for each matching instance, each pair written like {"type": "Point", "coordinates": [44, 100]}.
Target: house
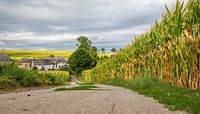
{"type": "Point", "coordinates": [43, 64]}
{"type": "Point", "coordinates": [26, 63]}
{"type": "Point", "coordinates": [5, 59]}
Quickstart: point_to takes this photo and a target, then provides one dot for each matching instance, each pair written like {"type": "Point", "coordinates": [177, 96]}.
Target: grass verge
{"type": "Point", "coordinates": [86, 83]}
{"type": "Point", "coordinates": [174, 98]}
{"type": "Point", "coordinates": [86, 87]}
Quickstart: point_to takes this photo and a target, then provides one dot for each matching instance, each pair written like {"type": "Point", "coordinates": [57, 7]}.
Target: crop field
{"type": "Point", "coordinates": [170, 51]}
{"type": "Point", "coordinates": [36, 53]}
{"type": "Point", "coordinates": [57, 75]}
{"type": "Point", "coordinates": [16, 55]}
{"type": "Point", "coordinates": [55, 72]}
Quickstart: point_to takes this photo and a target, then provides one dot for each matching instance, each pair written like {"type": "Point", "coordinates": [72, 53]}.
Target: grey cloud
{"type": "Point", "coordinates": [102, 21]}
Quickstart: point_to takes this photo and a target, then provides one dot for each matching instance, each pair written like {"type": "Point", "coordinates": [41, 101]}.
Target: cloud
{"type": "Point", "coordinates": [2, 43]}
{"type": "Point", "coordinates": [55, 24]}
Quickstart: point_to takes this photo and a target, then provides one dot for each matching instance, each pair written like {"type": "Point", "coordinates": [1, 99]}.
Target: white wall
{"type": "Point", "coordinates": [48, 67]}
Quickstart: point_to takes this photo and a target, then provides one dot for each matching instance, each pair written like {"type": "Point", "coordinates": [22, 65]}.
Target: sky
{"type": "Point", "coordinates": [56, 24]}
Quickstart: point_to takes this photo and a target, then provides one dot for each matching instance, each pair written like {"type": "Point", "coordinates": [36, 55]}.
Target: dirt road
{"type": "Point", "coordinates": [105, 100]}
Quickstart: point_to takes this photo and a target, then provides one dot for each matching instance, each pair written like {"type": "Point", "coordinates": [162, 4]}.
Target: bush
{"type": "Point", "coordinates": [34, 68]}
{"type": "Point", "coordinates": [6, 83]}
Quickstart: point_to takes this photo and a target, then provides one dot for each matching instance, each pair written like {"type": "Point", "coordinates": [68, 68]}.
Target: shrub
{"type": "Point", "coordinates": [34, 68]}
{"type": "Point", "coordinates": [6, 83]}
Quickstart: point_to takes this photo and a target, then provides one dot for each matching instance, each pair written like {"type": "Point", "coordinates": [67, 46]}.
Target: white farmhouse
{"type": "Point", "coordinates": [44, 64]}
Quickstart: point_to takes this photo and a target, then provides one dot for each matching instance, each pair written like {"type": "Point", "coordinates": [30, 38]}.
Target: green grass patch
{"type": "Point", "coordinates": [174, 98]}
{"type": "Point", "coordinates": [87, 83]}
{"type": "Point", "coordinates": [86, 87]}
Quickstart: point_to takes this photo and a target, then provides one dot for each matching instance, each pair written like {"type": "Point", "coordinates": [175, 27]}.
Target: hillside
{"type": "Point", "coordinates": [170, 51]}
{"type": "Point", "coordinates": [17, 54]}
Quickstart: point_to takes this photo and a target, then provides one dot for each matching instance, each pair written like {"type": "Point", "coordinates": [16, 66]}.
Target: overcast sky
{"type": "Point", "coordinates": [56, 24]}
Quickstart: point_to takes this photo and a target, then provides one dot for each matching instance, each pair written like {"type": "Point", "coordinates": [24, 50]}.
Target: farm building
{"type": "Point", "coordinates": [5, 59]}
{"type": "Point", "coordinates": [43, 64]}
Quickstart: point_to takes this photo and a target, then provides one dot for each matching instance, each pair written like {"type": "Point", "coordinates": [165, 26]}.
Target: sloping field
{"type": "Point", "coordinates": [36, 53]}
{"type": "Point", "coordinates": [16, 55]}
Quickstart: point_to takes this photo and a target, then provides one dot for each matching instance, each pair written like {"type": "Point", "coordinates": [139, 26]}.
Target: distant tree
{"type": "Point", "coordinates": [3, 49]}
{"type": "Point", "coordinates": [34, 68]}
{"type": "Point", "coordinates": [98, 50]}
{"type": "Point", "coordinates": [113, 50]}
{"type": "Point", "coordinates": [103, 50]}
{"type": "Point", "coordinates": [84, 58]}
{"type": "Point", "coordinates": [51, 55]}
{"type": "Point", "coordinates": [1, 68]}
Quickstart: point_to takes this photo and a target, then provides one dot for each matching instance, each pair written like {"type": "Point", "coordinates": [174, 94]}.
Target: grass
{"type": "Point", "coordinates": [85, 87]}
{"type": "Point", "coordinates": [12, 77]}
{"type": "Point", "coordinates": [174, 98]}
{"type": "Point", "coordinates": [87, 83]}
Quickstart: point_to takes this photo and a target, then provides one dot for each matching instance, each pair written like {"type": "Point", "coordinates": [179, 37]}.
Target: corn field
{"type": "Point", "coordinates": [169, 51]}
{"type": "Point", "coordinates": [55, 73]}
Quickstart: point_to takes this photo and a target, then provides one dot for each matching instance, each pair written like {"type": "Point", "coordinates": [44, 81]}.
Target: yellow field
{"type": "Point", "coordinates": [42, 53]}
{"type": "Point", "coordinates": [16, 55]}
{"type": "Point", "coordinates": [105, 54]}
{"type": "Point", "coordinates": [56, 73]}
{"type": "Point", "coordinates": [36, 53]}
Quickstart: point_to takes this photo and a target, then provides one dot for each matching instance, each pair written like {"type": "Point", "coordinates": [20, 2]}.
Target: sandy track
{"type": "Point", "coordinates": [105, 100]}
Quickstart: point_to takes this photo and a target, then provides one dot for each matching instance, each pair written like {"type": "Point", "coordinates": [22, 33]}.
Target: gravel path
{"type": "Point", "coordinates": [104, 100]}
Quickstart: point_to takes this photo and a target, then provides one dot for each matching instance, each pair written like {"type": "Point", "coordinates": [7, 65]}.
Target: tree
{"type": "Point", "coordinates": [51, 55]}
{"type": "Point", "coordinates": [84, 58]}
{"type": "Point", "coordinates": [34, 68]}
{"type": "Point", "coordinates": [113, 50]}
{"type": "Point", "coordinates": [103, 50]}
